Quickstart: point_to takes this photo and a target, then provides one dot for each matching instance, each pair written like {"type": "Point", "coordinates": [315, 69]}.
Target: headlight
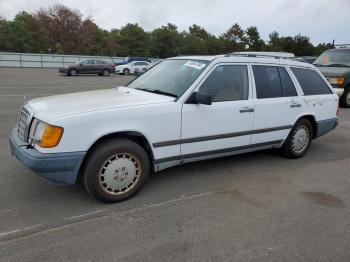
{"type": "Point", "coordinates": [336, 80]}
{"type": "Point", "coordinates": [44, 134]}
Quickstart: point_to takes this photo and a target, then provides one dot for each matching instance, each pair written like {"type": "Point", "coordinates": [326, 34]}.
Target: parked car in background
{"type": "Point", "coordinates": [182, 110]}
{"type": "Point", "coordinates": [89, 66]}
{"type": "Point", "coordinates": [306, 59]}
{"type": "Point", "coordinates": [130, 59]}
{"type": "Point", "coordinates": [136, 67]}
{"type": "Point", "coordinates": [335, 66]}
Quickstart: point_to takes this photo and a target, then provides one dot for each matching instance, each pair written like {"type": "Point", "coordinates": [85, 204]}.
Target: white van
{"type": "Point", "coordinates": [184, 109]}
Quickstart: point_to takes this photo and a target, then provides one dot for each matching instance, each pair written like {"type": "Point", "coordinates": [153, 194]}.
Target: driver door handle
{"type": "Point", "coordinates": [246, 110]}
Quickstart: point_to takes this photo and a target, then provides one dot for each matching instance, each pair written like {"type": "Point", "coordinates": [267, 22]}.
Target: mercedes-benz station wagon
{"type": "Point", "coordinates": [184, 109]}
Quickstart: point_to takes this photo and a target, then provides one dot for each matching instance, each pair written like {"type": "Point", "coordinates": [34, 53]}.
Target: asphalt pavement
{"type": "Point", "coordinates": [252, 207]}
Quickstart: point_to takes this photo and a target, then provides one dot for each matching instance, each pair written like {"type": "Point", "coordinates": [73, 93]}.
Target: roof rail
{"type": "Point", "coordinates": [276, 55]}
{"type": "Point", "coordinates": [342, 46]}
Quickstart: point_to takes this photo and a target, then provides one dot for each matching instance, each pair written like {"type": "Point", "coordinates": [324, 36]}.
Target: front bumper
{"type": "Point", "coordinates": [62, 70]}
{"type": "Point", "coordinates": [59, 168]}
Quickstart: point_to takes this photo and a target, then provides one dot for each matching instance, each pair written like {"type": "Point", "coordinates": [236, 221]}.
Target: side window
{"type": "Point", "coordinates": [288, 87]}
{"type": "Point", "coordinates": [227, 83]}
{"type": "Point", "coordinates": [267, 81]}
{"type": "Point", "coordinates": [311, 82]}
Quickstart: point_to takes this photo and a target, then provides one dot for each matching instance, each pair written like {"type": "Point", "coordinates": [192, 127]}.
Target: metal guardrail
{"type": "Point", "coordinates": [8, 59]}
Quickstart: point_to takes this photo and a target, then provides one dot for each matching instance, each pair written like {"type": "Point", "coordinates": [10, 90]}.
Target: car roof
{"type": "Point", "coordinates": [246, 59]}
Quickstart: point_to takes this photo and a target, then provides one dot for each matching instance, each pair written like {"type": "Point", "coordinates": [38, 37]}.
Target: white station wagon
{"type": "Point", "coordinates": [182, 110]}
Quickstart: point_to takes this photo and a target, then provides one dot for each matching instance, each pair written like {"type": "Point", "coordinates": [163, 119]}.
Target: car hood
{"type": "Point", "coordinates": [334, 71]}
{"type": "Point", "coordinates": [48, 108]}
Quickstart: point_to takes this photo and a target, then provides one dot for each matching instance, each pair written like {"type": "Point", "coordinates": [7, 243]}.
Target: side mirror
{"type": "Point", "coordinates": [200, 98]}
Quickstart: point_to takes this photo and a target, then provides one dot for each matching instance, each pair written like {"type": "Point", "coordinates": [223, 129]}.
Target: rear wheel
{"type": "Point", "coordinates": [126, 71]}
{"type": "Point", "coordinates": [345, 98]}
{"type": "Point", "coordinates": [73, 72]}
{"type": "Point", "coordinates": [116, 170]}
{"type": "Point", "coordinates": [105, 72]}
{"type": "Point", "coordinates": [299, 139]}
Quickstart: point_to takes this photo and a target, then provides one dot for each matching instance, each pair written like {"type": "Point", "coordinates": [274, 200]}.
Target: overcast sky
{"type": "Point", "coordinates": [321, 20]}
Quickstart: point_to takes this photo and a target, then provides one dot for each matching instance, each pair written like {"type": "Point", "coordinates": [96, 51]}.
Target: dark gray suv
{"type": "Point", "coordinates": [89, 66]}
{"type": "Point", "coordinates": [335, 66]}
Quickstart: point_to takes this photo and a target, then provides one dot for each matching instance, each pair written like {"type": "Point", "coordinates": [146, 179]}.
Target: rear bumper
{"type": "Point", "coordinates": [325, 126]}
{"type": "Point", "coordinates": [58, 168]}
{"type": "Point", "coordinates": [338, 91]}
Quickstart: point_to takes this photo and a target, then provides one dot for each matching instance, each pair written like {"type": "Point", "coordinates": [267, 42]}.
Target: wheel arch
{"type": "Point", "coordinates": [73, 68]}
{"type": "Point", "coordinates": [313, 122]}
{"type": "Point", "coordinates": [134, 136]}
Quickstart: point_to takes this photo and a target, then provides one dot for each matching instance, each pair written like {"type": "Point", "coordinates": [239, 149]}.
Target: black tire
{"type": "Point", "coordinates": [345, 98]}
{"type": "Point", "coordinates": [126, 71]}
{"type": "Point", "coordinates": [289, 148]}
{"type": "Point", "coordinates": [72, 72]}
{"type": "Point", "coordinates": [105, 72]}
{"type": "Point", "coordinates": [95, 177]}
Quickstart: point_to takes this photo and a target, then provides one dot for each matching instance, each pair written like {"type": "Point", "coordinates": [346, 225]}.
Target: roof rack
{"type": "Point", "coordinates": [276, 55]}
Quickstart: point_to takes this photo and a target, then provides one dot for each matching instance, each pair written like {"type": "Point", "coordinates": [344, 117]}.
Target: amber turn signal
{"type": "Point", "coordinates": [51, 137]}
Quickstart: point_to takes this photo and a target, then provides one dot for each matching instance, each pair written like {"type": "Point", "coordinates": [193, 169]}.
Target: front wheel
{"type": "Point", "coordinates": [126, 71]}
{"type": "Point", "coordinates": [299, 139]}
{"type": "Point", "coordinates": [345, 98]}
{"type": "Point", "coordinates": [72, 72]}
{"type": "Point", "coordinates": [116, 170]}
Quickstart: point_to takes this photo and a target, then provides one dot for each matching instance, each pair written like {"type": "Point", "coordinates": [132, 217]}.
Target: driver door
{"type": "Point", "coordinates": [86, 67]}
{"type": "Point", "coordinates": [224, 126]}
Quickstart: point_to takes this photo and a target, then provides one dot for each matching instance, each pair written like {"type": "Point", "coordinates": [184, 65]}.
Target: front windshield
{"type": "Point", "coordinates": [337, 57]}
{"type": "Point", "coordinates": [170, 77]}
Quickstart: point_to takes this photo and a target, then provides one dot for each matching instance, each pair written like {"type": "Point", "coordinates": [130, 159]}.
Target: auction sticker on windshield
{"type": "Point", "coordinates": [194, 64]}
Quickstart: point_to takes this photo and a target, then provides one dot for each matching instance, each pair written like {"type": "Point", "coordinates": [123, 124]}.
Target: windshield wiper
{"type": "Point", "coordinates": [156, 91]}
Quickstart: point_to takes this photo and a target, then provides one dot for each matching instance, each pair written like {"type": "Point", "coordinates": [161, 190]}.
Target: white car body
{"type": "Point", "coordinates": [133, 67]}
{"type": "Point", "coordinates": [178, 132]}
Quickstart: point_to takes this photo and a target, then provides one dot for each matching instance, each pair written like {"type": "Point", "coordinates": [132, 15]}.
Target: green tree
{"type": "Point", "coordinates": [61, 29]}
{"type": "Point", "coordinates": [134, 40]}
{"type": "Point", "coordinates": [234, 39]}
{"type": "Point", "coordinates": [166, 41]}
{"type": "Point", "coordinates": [253, 39]}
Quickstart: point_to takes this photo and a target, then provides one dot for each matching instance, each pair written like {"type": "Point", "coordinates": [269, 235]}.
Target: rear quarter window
{"type": "Point", "coordinates": [311, 82]}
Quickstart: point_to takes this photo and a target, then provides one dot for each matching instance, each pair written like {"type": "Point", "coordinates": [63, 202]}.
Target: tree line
{"type": "Point", "coordinates": [62, 30]}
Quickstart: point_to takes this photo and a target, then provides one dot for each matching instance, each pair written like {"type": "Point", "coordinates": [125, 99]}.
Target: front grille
{"type": "Point", "coordinates": [25, 117]}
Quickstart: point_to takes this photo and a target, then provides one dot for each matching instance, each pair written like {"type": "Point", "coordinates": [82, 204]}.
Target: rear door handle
{"type": "Point", "coordinates": [246, 110]}
{"type": "Point", "coordinates": [293, 105]}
